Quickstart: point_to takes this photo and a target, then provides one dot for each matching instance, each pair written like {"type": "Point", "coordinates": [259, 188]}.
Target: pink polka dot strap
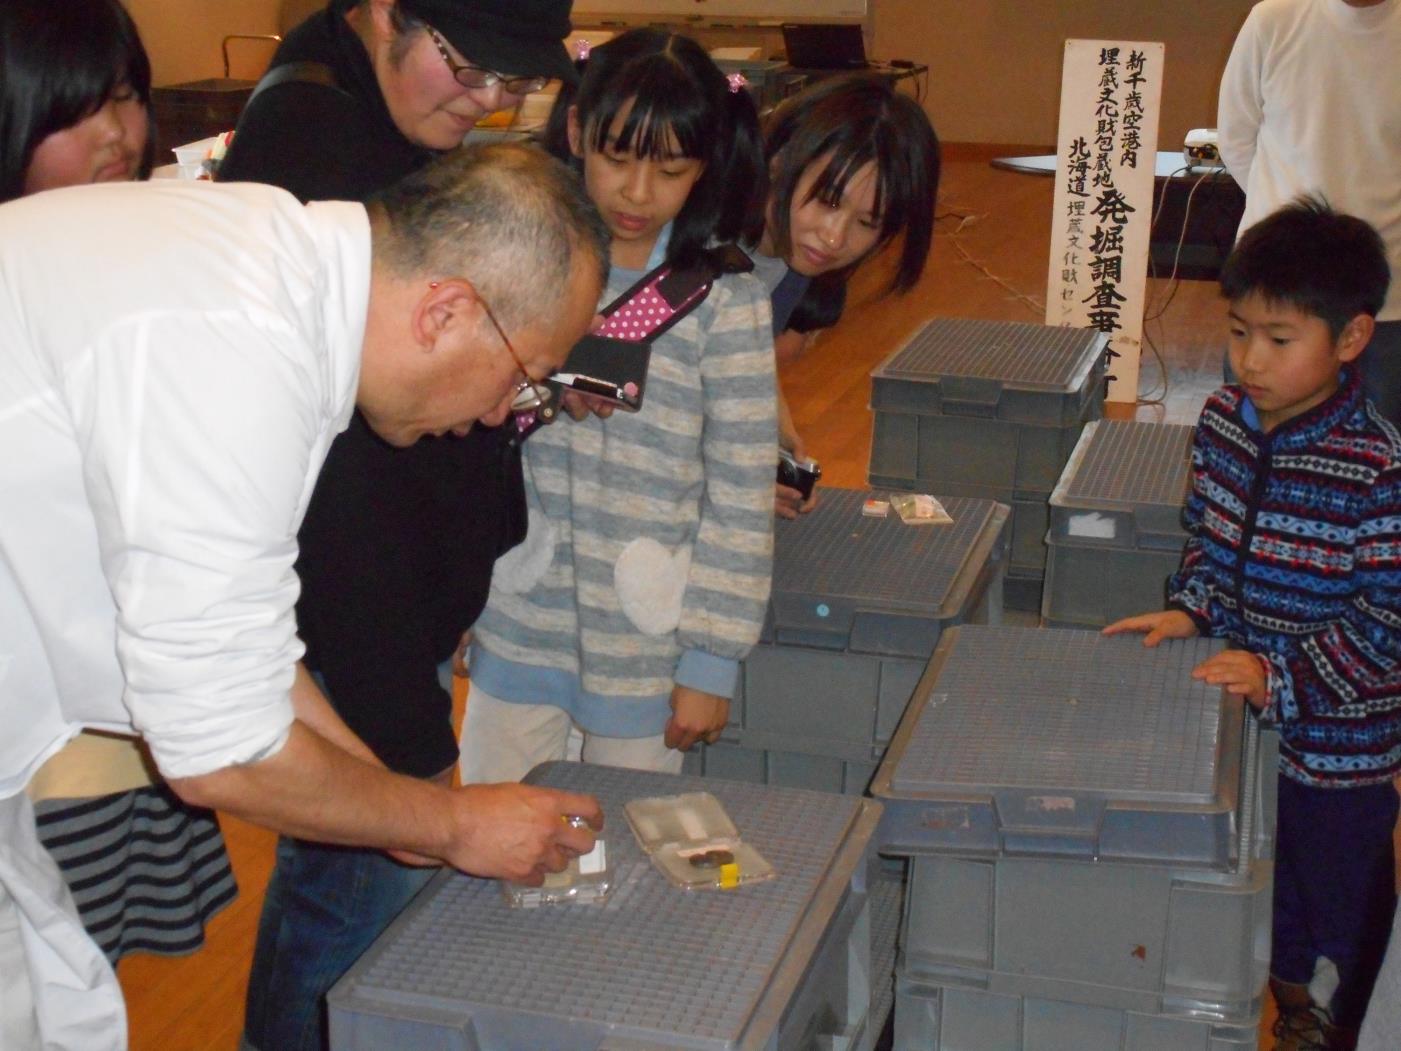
{"type": "Point", "coordinates": [643, 312]}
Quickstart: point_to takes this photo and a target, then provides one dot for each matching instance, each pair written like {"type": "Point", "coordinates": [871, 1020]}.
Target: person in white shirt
{"type": "Point", "coordinates": [1310, 103]}
{"type": "Point", "coordinates": [174, 361]}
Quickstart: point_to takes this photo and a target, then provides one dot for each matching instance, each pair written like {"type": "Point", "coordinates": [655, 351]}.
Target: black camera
{"type": "Point", "coordinates": [797, 474]}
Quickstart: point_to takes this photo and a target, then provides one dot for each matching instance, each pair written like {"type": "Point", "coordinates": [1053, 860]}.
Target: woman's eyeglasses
{"type": "Point", "coordinates": [470, 76]}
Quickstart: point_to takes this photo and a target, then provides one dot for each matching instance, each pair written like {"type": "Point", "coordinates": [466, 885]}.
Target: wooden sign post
{"type": "Point", "coordinates": [1103, 211]}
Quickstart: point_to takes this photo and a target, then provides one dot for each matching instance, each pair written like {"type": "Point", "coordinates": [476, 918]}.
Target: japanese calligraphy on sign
{"type": "Point", "coordinates": [1102, 216]}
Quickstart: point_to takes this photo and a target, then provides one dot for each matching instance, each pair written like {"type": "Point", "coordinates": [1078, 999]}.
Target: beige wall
{"type": "Point", "coordinates": [994, 64]}
{"type": "Point", "coordinates": [183, 36]}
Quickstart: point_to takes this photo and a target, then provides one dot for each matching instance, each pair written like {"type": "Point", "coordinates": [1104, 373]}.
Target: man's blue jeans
{"type": "Point", "coordinates": [323, 908]}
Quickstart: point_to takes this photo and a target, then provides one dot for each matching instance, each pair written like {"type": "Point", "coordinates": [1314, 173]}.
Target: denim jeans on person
{"type": "Point", "coordinates": [323, 908]}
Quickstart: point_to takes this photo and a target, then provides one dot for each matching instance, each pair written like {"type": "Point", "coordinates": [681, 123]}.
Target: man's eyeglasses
{"type": "Point", "coordinates": [470, 76]}
{"type": "Point", "coordinates": [529, 394]}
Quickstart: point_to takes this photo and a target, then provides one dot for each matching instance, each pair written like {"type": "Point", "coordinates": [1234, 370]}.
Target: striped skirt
{"type": "Point", "coordinates": [147, 871]}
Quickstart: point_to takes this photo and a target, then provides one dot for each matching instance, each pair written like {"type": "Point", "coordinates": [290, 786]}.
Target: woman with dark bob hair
{"type": "Point", "coordinates": [73, 76]}
{"type": "Point", "coordinates": [853, 165]}
{"type": "Point", "coordinates": [146, 871]}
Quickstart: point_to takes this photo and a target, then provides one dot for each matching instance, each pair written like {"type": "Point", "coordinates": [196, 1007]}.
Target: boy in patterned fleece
{"type": "Point", "coordinates": [1294, 555]}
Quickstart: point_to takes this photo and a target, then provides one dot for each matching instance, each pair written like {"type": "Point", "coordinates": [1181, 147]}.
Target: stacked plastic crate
{"type": "Point", "coordinates": [1081, 819]}
{"type": "Point", "coordinates": [1116, 535]}
{"type": "Point", "coordinates": [988, 409]}
{"type": "Point", "coordinates": [779, 964]}
{"type": "Point", "coordinates": [1116, 523]}
{"type": "Point", "coordinates": [857, 607]}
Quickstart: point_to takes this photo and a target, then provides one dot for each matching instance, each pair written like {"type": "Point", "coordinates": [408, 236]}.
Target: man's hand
{"type": "Point", "coordinates": [1165, 624]}
{"type": "Point", "coordinates": [695, 716]}
{"type": "Point", "coordinates": [1240, 672]}
{"type": "Point", "coordinates": [520, 832]}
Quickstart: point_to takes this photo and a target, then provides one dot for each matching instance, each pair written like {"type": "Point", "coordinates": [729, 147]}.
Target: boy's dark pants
{"type": "Point", "coordinates": [1335, 887]}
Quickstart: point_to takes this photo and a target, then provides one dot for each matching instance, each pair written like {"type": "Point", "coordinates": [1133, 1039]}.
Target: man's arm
{"type": "Point", "coordinates": [1241, 107]}
{"type": "Point", "coordinates": [311, 788]}
{"type": "Point", "coordinates": [312, 709]}
{"type": "Point", "coordinates": [198, 435]}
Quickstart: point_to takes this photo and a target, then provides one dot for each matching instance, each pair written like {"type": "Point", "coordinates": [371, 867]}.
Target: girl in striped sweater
{"type": "Point", "coordinates": [645, 573]}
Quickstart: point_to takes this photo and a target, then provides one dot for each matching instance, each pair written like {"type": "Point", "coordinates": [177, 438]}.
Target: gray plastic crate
{"type": "Point", "coordinates": [991, 403]}
{"type": "Point", "coordinates": [857, 607]}
{"type": "Point", "coordinates": [887, 892]}
{"type": "Point", "coordinates": [1026, 540]}
{"type": "Point", "coordinates": [1068, 743]}
{"type": "Point", "coordinates": [777, 965]}
{"type": "Point", "coordinates": [1116, 522]}
{"type": "Point", "coordinates": [1146, 938]}
{"type": "Point", "coordinates": [765, 766]}
{"type": "Point", "coordinates": [954, 1018]}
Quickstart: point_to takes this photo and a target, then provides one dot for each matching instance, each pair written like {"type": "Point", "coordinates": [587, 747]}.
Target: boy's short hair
{"type": "Point", "coordinates": [1323, 262]}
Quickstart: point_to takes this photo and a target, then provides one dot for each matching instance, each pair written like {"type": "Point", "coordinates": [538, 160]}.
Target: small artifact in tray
{"type": "Point", "coordinates": [691, 839]}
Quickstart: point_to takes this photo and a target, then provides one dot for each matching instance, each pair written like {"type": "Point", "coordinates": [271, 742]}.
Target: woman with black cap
{"type": "Point", "coordinates": [397, 547]}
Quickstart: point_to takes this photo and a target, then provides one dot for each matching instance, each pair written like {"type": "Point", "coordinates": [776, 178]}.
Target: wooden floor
{"type": "Point", "coordinates": [989, 261]}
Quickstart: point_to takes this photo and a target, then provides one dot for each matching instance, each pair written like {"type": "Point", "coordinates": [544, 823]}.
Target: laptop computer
{"type": "Point", "coordinates": [811, 45]}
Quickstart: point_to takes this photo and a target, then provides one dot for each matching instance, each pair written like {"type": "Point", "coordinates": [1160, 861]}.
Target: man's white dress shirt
{"type": "Point", "coordinates": [175, 360]}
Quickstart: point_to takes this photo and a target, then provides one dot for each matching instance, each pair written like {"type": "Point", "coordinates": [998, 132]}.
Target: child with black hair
{"type": "Point", "coordinates": [853, 165]}
{"type": "Point", "coordinates": [645, 571]}
{"type": "Point", "coordinates": [1294, 556]}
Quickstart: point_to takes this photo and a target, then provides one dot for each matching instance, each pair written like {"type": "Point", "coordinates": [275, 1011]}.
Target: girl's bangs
{"type": "Point", "coordinates": [667, 111]}
{"type": "Point", "coordinates": [90, 73]}
{"type": "Point", "coordinates": [848, 158]}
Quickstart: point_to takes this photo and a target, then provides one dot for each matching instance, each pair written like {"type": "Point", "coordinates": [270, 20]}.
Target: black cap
{"type": "Point", "coordinates": [518, 37]}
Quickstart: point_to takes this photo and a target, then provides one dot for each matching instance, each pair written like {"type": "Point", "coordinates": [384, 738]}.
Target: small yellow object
{"type": "Point", "coordinates": [729, 876]}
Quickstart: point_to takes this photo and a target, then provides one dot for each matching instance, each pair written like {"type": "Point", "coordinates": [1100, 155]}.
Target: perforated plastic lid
{"type": "Point", "coordinates": [655, 964]}
{"type": "Point", "coordinates": [1035, 357]}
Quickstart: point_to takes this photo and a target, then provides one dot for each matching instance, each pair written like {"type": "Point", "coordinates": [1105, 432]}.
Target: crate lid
{"type": "Point", "coordinates": [1060, 742]}
{"type": "Point", "coordinates": [835, 568]}
{"type": "Point", "coordinates": [1125, 467]}
{"type": "Point", "coordinates": [654, 964]}
{"type": "Point", "coordinates": [1129, 463]}
{"type": "Point", "coordinates": [1009, 353]}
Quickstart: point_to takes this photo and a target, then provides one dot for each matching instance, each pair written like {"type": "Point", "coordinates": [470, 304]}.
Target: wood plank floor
{"type": "Point", "coordinates": [989, 261]}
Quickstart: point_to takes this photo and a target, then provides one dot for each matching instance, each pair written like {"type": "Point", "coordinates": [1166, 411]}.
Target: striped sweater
{"type": "Point", "coordinates": [1295, 554]}
{"type": "Point", "coordinates": [648, 560]}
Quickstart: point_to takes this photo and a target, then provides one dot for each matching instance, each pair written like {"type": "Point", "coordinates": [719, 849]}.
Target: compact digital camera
{"type": "Point", "coordinates": [797, 474]}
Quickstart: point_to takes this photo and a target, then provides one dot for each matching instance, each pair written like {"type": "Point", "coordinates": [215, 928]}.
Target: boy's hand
{"type": "Point", "coordinates": [695, 716]}
{"type": "Point", "coordinates": [1240, 672]}
{"type": "Point", "coordinates": [1165, 624]}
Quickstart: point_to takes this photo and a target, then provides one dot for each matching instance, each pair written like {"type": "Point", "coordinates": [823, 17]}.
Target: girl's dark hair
{"type": "Point", "coordinates": [60, 60]}
{"type": "Point", "coordinates": [1324, 263]}
{"type": "Point", "coordinates": [853, 120]}
{"type": "Point", "coordinates": [679, 92]}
